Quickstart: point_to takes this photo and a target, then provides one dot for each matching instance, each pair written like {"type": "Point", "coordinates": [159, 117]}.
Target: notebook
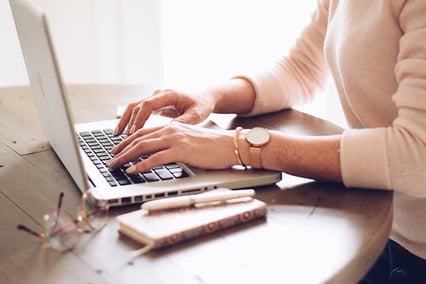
{"type": "Point", "coordinates": [65, 137]}
{"type": "Point", "coordinates": [165, 228]}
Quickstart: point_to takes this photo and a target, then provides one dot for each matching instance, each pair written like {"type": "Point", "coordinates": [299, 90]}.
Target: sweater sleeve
{"type": "Point", "coordinates": [395, 157]}
{"type": "Point", "coordinates": [297, 77]}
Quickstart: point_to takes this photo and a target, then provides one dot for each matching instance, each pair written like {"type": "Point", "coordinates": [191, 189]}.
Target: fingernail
{"type": "Point", "coordinates": [116, 131]}
{"type": "Point", "coordinates": [131, 170]}
{"type": "Point", "coordinates": [111, 163]}
{"type": "Point", "coordinates": [132, 129]}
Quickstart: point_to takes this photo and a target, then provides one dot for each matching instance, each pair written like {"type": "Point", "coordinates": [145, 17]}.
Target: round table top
{"type": "Point", "coordinates": [314, 232]}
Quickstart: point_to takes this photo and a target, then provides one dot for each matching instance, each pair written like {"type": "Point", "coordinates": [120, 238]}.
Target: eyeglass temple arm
{"type": "Point", "coordinates": [28, 230]}
{"type": "Point", "coordinates": [58, 209]}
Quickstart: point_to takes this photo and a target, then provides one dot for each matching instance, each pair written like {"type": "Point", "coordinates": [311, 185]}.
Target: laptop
{"type": "Point", "coordinates": [73, 143]}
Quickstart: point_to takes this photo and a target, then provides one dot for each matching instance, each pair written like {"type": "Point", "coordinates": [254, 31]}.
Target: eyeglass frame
{"type": "Point", "coordinates": [82, 218]}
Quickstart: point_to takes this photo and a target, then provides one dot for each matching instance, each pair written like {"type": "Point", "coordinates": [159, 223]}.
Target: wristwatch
{"type": "Point", "coordinates": [257, 137]}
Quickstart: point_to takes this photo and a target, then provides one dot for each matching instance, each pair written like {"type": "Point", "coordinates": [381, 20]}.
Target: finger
{"type": "Point", "coordinates": [140, 115]}
{"type": "Point", "coordinates": [161, 91]}
{"type": "Point", "coordinates": [193, 115]}
{"type": "Point", "coordinates": [132, 114]}
{"type": "Point", "coordinates": [134, 151]}
{"type": "Point", "coordinates": [142, 112]}
{"type": "Point", "coordinates": [148, 140]}
{"type": "Point", "coordinates": [156, 159]}
{"type": "Point", "coordinates": [116, 150]}
{"type": "Point", "coordinates": [168, 111]}
{"type": "Point", "coordinates": [140, 134]}
{"type": "Point", "coordinates": [123, 122]}
{"type": "Point", "coordinates": [190, 117]}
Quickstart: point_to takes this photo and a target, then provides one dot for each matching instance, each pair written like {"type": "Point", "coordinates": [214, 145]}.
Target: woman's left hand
{"type": "Point", "coordinates": [175, 142]}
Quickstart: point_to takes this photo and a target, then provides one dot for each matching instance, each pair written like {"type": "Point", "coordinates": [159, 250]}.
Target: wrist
{"type": "Point", "coordinates": [235, 96]}
{"type": "Point", "coordinates": [237, 153]}
{"type": "Point", "coordinates": [251, 144]}
{"type": "Point", "coordinates": [257, 138]}
{"type": "Point", "coordinates": [244, 147]}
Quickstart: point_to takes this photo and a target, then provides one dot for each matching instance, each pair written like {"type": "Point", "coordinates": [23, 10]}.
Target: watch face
{"type": "Point", "coordinates": [258, 136]}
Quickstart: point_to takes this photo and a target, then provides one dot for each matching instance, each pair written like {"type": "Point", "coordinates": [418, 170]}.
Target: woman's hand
{"type": "Point", "coordinates": [176, 142]}
{"type": "Point", "coordinates": [184, 107]}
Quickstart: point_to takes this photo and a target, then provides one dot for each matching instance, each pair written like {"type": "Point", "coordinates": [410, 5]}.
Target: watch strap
{"type": "Point", "coordinates": [255, 159]}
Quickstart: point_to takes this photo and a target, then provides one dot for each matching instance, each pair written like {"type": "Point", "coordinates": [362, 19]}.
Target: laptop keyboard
{"type": "Point", "coordinates": [97, 144]}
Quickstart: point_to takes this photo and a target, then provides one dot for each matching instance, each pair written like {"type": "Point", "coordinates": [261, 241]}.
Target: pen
{"type": "Point", "coordinates": [189, 200]}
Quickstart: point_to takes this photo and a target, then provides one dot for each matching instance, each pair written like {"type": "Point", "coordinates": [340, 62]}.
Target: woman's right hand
{"type": "Point", "coordinates": [183, 107]}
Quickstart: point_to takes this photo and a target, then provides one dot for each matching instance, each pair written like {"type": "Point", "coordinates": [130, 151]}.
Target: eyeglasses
{"type": "Point", "coordinates": [62, 230]}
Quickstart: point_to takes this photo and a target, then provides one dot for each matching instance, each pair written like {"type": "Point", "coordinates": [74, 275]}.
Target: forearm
{"type": "Point", "coordinates": [235, 96]}
{"type": "Point", "coordinates": [306, 156]}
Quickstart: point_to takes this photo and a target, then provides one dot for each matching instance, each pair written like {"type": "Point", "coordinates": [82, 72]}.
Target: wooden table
{"type": "Point", "coordinates": [315, 232]}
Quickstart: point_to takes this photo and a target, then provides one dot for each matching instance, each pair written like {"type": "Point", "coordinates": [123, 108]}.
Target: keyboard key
{"type": "Point", "coordinates": [137, 178]}
{"type": "Point", "coordinates": [163, 174]}
{"type": "Point", "coordinates": [151, 177]}
{"type": "Point", "coordinates": [178, 173]}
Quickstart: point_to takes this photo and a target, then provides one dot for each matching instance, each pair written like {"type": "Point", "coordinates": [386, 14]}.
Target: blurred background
{"type": "Point", "coordinates": [164, 43]}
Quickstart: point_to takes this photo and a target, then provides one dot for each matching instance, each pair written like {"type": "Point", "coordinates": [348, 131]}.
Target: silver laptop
{"type": "Point", "coordinates": [80, 147]}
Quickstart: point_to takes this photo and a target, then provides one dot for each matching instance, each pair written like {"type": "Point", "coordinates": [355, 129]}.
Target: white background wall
{"type": "Point", "coordinates": [173, 43]}
{"type": "Point", "coordinates": [96, 41]}
{"type": "Point", "coordinates": [212, 40]}
{"type": "Point", "coordinates": [11, 64]}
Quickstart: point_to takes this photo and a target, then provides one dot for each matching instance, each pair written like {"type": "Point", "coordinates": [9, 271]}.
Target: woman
{"type": "Point", "coordinates": [376, 54]}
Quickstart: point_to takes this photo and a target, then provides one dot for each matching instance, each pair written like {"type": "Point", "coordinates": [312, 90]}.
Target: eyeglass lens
{"type": "Point", "coordinates": [62, 230]}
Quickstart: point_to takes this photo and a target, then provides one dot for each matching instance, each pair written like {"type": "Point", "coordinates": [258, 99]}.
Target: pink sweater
{"type": "Point", "coordinates": [376, 54]}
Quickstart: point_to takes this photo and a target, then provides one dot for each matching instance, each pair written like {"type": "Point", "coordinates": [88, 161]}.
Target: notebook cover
{"type": "Point", "coordinates": [165, 228]}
